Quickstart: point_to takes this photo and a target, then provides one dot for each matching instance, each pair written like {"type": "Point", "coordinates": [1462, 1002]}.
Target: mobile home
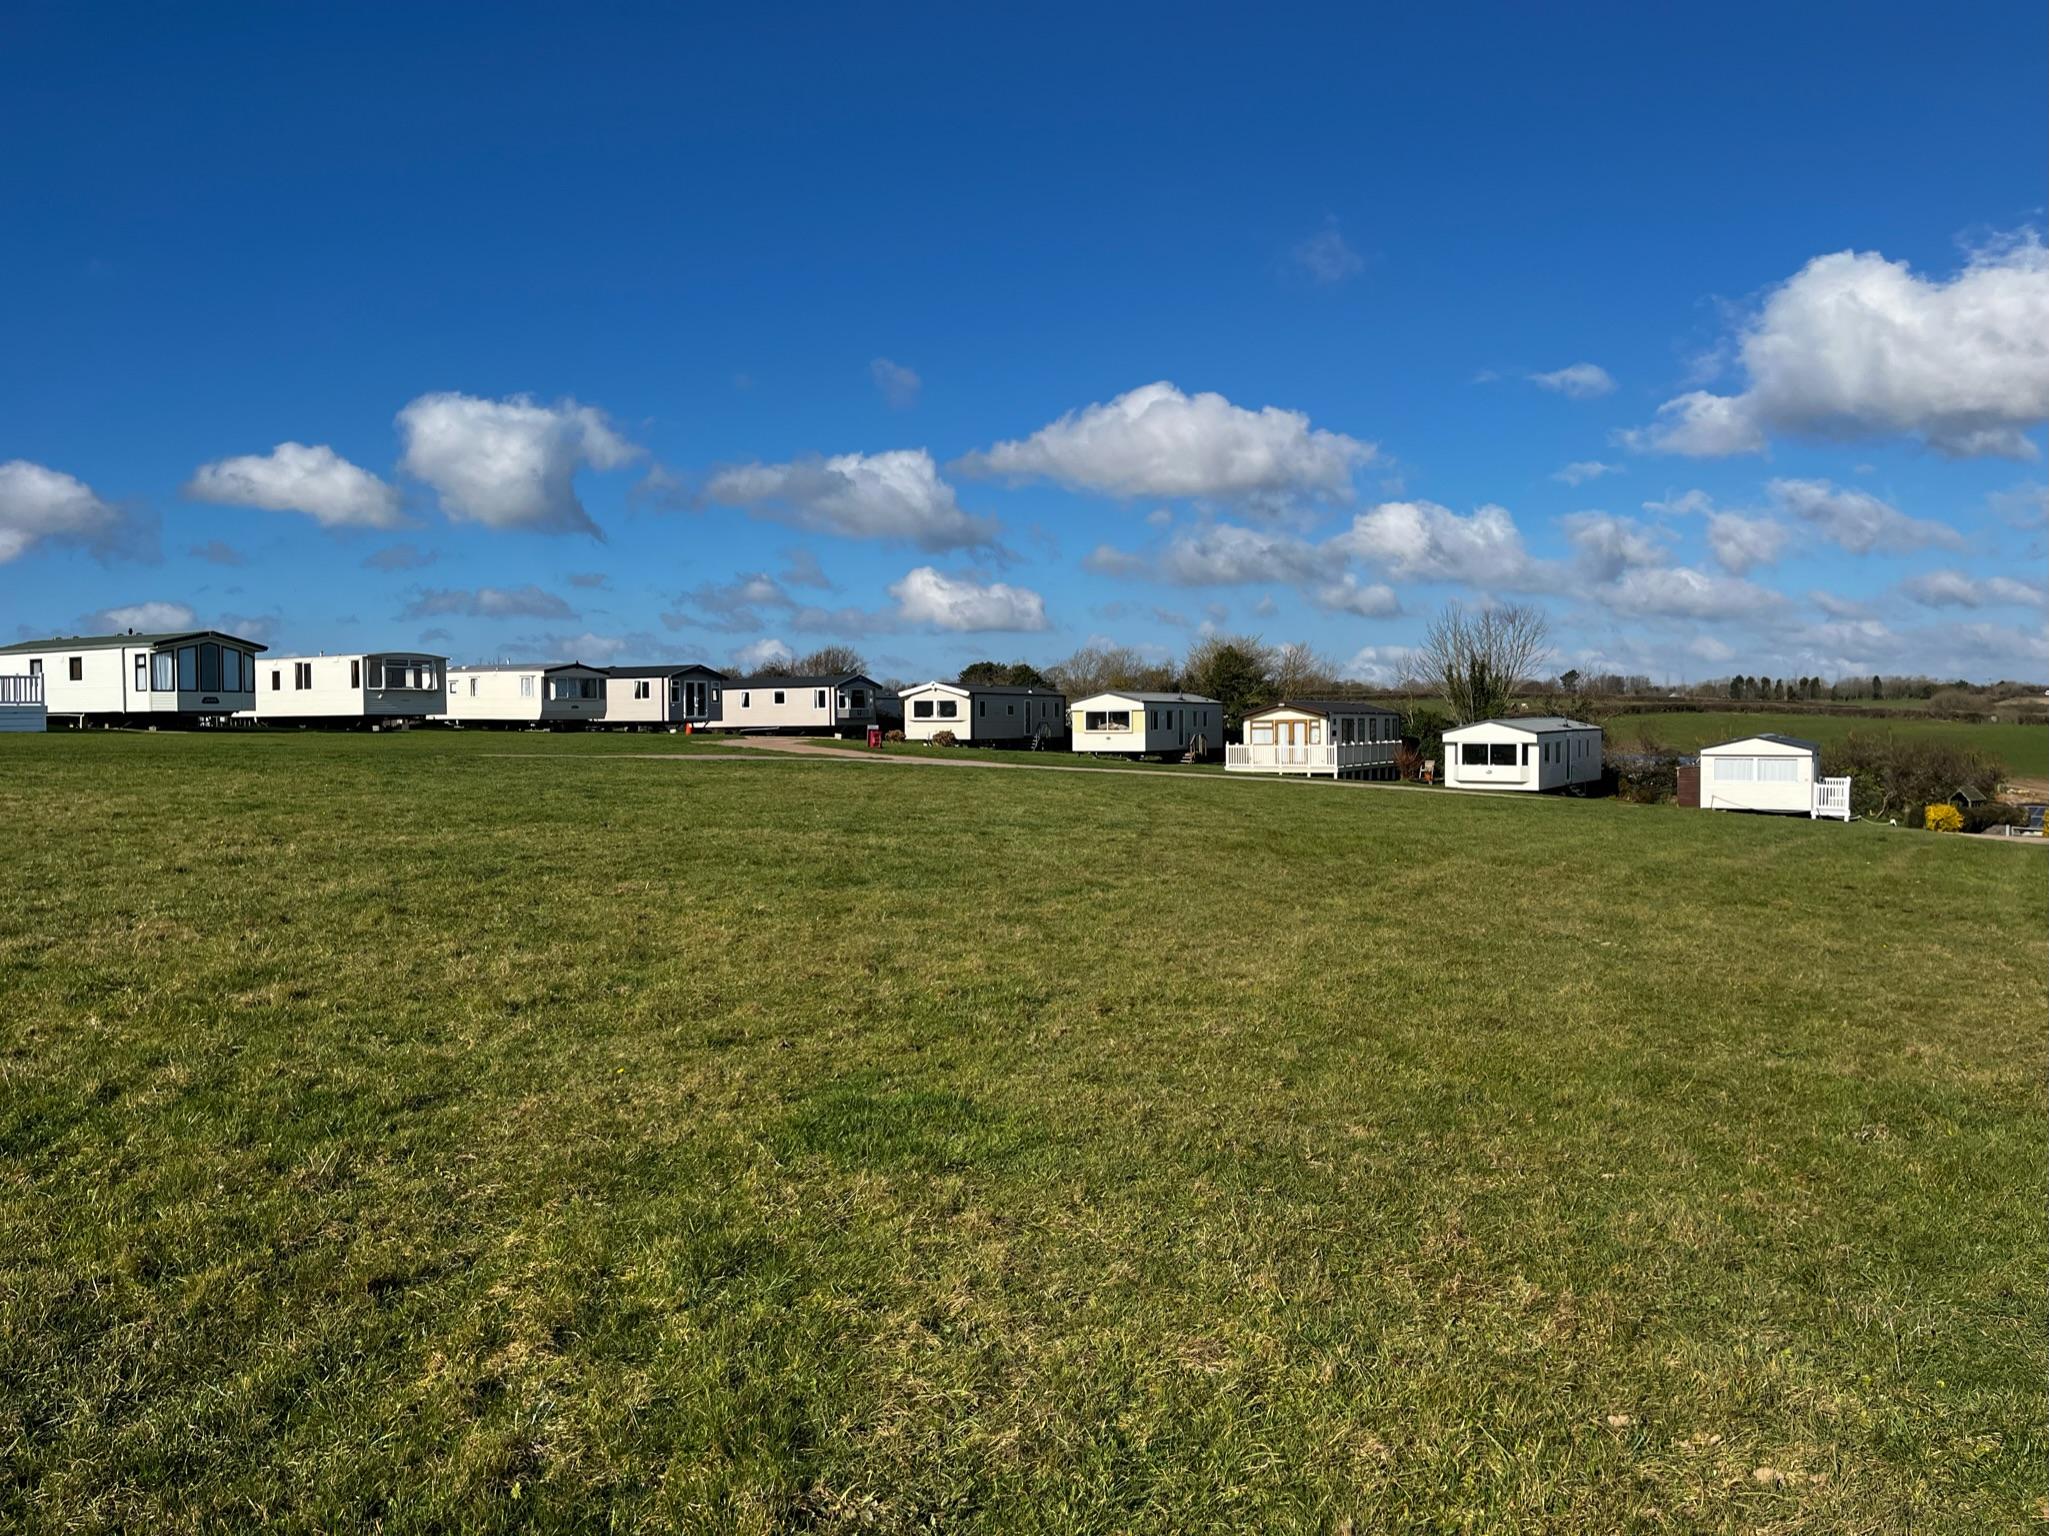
{"type": "Point", "coordinates": [192, 677]}
{"type": "Point", "coordinates": [662, 697]}
{"type": "Point", "coordinates": [1539, 753]}
{"type": "Point", "coordinates": [373, 688]}
{"type": "Point", "coordinates": [1146, 724]}
{"type": "Point", "coordinates": [823, 706]}
{"type": "Point", "coordinates": [526, 693]}
{"type": "Point", "coordinates": [990, 715]}
{"type": "Point", "coordinates": [1770, 772]}
{"type": "Point", "coordinates": [1336, 738]}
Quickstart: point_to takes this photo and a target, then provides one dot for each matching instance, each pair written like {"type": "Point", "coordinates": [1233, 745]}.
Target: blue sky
{"type": "Point", "coordinates": [631, 334]}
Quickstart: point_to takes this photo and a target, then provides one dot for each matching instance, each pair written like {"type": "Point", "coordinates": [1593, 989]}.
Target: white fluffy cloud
{"type": "Point", "coordinates": [156, 617]}
{"type": "Point", "coordinates": [295, 478]}
{"type": "Point", "coordinates": [1954, 589]}
{"type": "Point", "coordinates": [509, 463]}
{"type": "Point", "coordinates": [1740, 544]}
{"type": "Point", "coordinates": [38, 504]}
{"type": "Point", "coordinates": [759, 655]}
{"type": "Point", "coordinates": [925, 596]}
{"type": "Point", "coordinates": [1854, 346]}
{"type": "Point", "coordinates": [1381, 664]}
{"type": "Point", "coordinates": [1157, 441]}
{"type": "Point", "coordinates": [1580, 471]}
{"type": "Point", "coordinates": [894, 495]}
{"type": "Point", "coordinates": [1364, 600]}
{"type": "Point", "coordinates": [1422, 541]}
{"type": "Point", "coordinates": [1858, 521]}
{"type": "Point", "coordinates": [1681, 592]}
{"type": "Point", "coordinates": [1578, 381]}
{"type": "Point", "coordinates": [1228, 554]}
{"type": "Point", "coordinates": [526, 602]}
{"type": "Point", "coordinates": [1607, 545]}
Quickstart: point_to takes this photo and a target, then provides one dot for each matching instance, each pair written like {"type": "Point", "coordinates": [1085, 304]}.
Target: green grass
{"type": "Point", "coordinates": [1041, 759]}
{"type": "Point", "coordinates": [404, 1134]}
{"type": "Point", "coordinates": [2023, 748]}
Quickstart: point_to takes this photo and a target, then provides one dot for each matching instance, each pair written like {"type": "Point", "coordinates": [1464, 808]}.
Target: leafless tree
{"type": "Point", "coordinates": [1300, 673]}
{"type": "Point", "coordinates": [1477, 660]}
{"type": "Point", "coordinates": [830, 661]}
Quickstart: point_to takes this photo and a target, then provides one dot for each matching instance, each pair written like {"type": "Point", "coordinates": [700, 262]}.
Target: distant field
{"type": "Point", "coordinates": [494, 1132]}
{"type": "Point", "coordinates": [2023, 748]}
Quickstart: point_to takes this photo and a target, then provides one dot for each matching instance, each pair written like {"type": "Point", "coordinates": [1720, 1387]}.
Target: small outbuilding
{"type": "Point", "coordinates": [1338, 738]}
{"type": "Point", "coordinates": [1147, 724]}
{"type": "Point", "coordinates": [373, 688]}
{"type": "Point", "coordinates": [1767, 772]}
{"type": "Point", "coordinates": [1536, 753]}
{"type": "Point", "coordinates": [990, 715]}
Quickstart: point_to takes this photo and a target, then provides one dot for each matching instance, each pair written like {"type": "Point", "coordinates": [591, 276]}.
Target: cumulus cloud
{"type": "Point", "coordinates": [1422, 541]}
{"type": "Point", "coordinates": [762, 654]}
{"type": "Point", "coordinates": [1365, 600]}
{"type": "Point", "coordinates": [893, 495]}
{"type": "Point", "coordinates": [1383, 665]}
{"type": "Point", "coordinates": [926, 596]}
{"type": "Point", "coordinates": [1740, 544]}
{"type": "Point", "coordinates": [1577, 381]}
{"type": "Point", "coordinates": [295, 478]}
{"type": "Point", "coordinates": [155, 617]}
{"type": "Point", "coordinates": [509, 463]}
{"type": "Point", "coordinates": [590, 649]}
{"type": "Point", "coordinates": [1606, 545]}
{"type": "Point", "coordinates": [733, 607]}
{"type": "Point", "coordinates": [488, 603]}
{"type": "Point", "coordinates": [39, 504]}
{"type": "Point", "coordinates": [1954, 589]}
{"type": "Point", "coordinates": [1327, 258]}
{"type": "Point", "coordinates": [899, 385]}
{"type": "Point", "coordinates": [1580, 471]}
{"type": "Point", "coordinates": [1157, 441]}
{"type": "Point", "coordinates": [1857, 520]}
{"type": "Point", "coordinates": [1681, 592]}
{"type": "Point", "coordinates": [1857, 346]}
{"type": "Point", "coordinates": [1700, 425]}
{"type": "Point", "coordinates": [1227, 554]}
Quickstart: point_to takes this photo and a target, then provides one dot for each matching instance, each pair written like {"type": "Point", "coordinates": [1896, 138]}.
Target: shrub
{"type": "Point", "coordinates": [1943, 818]}
{"type": "Point", "coordinates": [1645, 771]}
{"type": "Point", "coordinates": [1408, 762]}
{"type": "Point", "coordinates": [1992, 813]}
{"type": "Point", "coordinates": [1895, 775]}
{"type": "Point", "coordinates": [892, 735]}
{"type": "Point", "coordinates": [944, 739]}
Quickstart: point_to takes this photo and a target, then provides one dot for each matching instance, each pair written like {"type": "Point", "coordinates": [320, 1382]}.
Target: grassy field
{"type": "Point", "coordinates": [499, 1133]}
{"type": "Point", "coordinates": [2023, 748]}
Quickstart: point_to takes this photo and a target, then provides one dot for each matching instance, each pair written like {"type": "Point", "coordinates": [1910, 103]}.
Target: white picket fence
{"type": "Point", "coordinates": [1831, 800]}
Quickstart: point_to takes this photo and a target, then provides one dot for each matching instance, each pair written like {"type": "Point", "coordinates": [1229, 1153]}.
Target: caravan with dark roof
{"type": "Point", "coordinates": [189, 677]}
{"type": "Point", "coordinates": [526, 693]}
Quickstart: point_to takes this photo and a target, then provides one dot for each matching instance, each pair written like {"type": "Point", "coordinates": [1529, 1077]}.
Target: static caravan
{"type": "Point", "coordinates": [526, 693]}
{"type": "Point", "coordinates": [988, 715]}
{"type": "Point", "coordinates": [195, 677]}
{"type": "Point", "coordinates": [1770, 772]}
{"type": "Point", "coordinates": [665, 698]}
{"type": "Point", "coordinates": [1539, 753]}
{"type": "Point", "coordinates": [819, 706]}
{"type": "Point", "coordinates": [372, 688]}
{"type": "Point", "coordinates": [1335, 738]}
{"type": "Point", "coordinates": [1147, 724]}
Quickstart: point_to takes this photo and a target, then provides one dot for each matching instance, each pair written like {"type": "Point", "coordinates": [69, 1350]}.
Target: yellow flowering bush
{"type": "Point", "coordinates": [1943, 818]}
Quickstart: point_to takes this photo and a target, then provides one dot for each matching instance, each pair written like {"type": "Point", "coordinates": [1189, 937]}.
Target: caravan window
{"type": "Point", "coordinates": [163, 672]}
{"type": "Point", "coordinates": [643, 689]}
{"type": "Point", "coordinates": [1473, 754]}
{"type": "Point", "coordinates": [1501, 754]}
{"type": "Point", "coordinates": [922, 710]}
{"type": "Point", "coordinates": [949, 709]}
{"type": "Point", "coordinates": [1736, 770]}
{"type": "Point", "coordinates": [1778, 770]}
{"type": "Point", "coordinates": [1106, 720]}
{"type": "Point", "coordinates": [188, 668]}
{"type": "Point", "coordinates": [77, 669]}
{"type": "Point", "coordinates": [231, 670]}
{"type": "Point", "coordinates": [142, 672]}
{"type": "Point", "coordinates": [818, 699]}
{"type": "Point", "coordinates": [860, 698]}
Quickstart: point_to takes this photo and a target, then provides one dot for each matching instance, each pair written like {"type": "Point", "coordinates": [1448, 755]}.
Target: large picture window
{"type": "Point", "coordinates": [921, 709]}
{"type": "Point", "coordinates": [1501, 754]}
{"type": "Point", "coordinates": [1736, 770]}
{"type": "Point", "coordinates": [1106, 720]}
{"type": "Point", "coordinates": [188, 669]}
{"type": "Point", "coordinates": [1778, 770]}
{"type": "Point", "coordinates": [1472, 754]}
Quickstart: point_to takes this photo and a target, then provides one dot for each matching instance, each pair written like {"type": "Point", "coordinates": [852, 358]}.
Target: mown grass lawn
{"type": "Point", "coordinates": [402, 1134]}
{"type": "Point", "coordinates": [2023, 748]}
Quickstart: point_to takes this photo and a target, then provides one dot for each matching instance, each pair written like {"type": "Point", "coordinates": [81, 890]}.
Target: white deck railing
{"type": "Point", "coordinates": [1328, 757]}
{"type": "Point", "coordinates": [1831, 799]}
{"type": "Point", "coordinates": [21, 689]}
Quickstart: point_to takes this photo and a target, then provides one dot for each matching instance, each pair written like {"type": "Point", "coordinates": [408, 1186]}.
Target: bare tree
{"type": "Point", "coordinates": [1299, 673]}
{"type": "Point", "coordinates": [1095, 668]}
{"type": "Point", "coordinates": [830, 661]}
{"type": "Point", "coordinates": [1477, 660]}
